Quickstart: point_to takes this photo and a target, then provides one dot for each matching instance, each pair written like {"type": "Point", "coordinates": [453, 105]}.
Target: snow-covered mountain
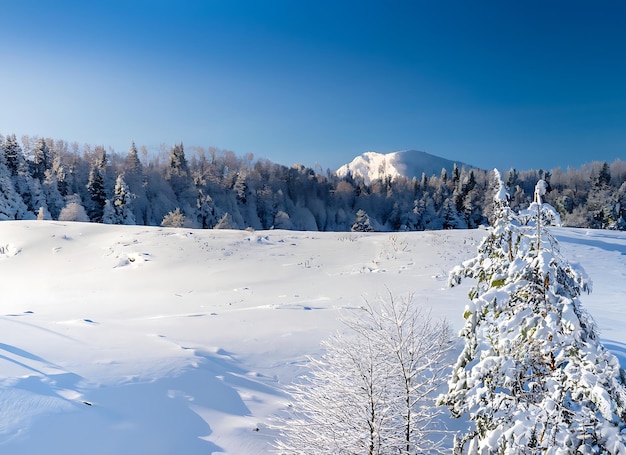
{"type": "Point", "coordinates": [408, 163]}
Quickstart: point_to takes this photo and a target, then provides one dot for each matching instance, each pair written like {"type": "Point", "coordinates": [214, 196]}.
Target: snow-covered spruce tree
{"type": "Point", "coordinates": [119, 210]}
{"type": "Point", "coordinates": [180, 179]}
{"type": "Point", "coordinates": [372, 392]}
{"type": "Point", "coordinates": [12, 206]}
{"type": "Point", "coordinates": [136, 181]}
{"type": "Point", "coordinates": [13, 155]}
{"type": "Point", "coordinates": [362, 222]}
{"type": "Point", "coordinates": [205, 211]}
{"type": "Point", "coordinates": [95, 188]}
{"type": "Point", "coordinates": [53, 197]}
{"type": "Point", "coordinates": [41, 160]}
{"type": "Point", "coordinates": [533, 376]}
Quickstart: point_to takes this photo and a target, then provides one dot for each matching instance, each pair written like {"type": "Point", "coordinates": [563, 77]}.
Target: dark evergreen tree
{"type": "Point", "coordinates": [135, 178]}
{"type": "Point", "coordinates": [179, 177]}
{"type": "Point", "coordinates": [41, 160]}
{"type": "Point", "coordinates": [96, 189]}
{"type": "Point", "coordinates": [362, 222]}
{"type": "Point", "coordinates": [207, 217]}
{"type": "Point", "coordinates": [12, 154]}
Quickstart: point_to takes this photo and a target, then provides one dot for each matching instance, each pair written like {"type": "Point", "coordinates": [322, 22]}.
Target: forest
{"type": "Point", "coordinates": [43, 178]}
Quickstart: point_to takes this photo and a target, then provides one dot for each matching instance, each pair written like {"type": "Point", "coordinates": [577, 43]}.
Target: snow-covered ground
{"type": "Point", "coordinates": [168, 341]}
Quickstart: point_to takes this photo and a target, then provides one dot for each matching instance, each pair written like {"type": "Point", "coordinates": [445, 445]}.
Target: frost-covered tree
{"type": "Point", "coordinates": [119, 209]}
{"type": "Point", "coordinates": [450, 217]}
{"type": "Point", "coordinates": [362, 222]}
{"type": "Point", "coordinates": [96, 189]}
{"type": "Point", "coordinates": [136, 181]}
{"type": "Point", "coordinates": [54, 199]}
{"type": "Point", "coordinates": [29, 191]}
{"type": "Point", "coordinates": [73, 210]}
{"type": "Point", "coordinates": [12, 206]}
{"type": "Point", "coordinates": [533, 376]}
{"type": "Point", "coordinates": [175, 218]}
{"type": "Point", "coordinates": [41, 160]}
{"type": "Point", "coordinates": [226, 222]}
{"type": "Point", "coordinates": [602, 205]}
{"type": "Point", "coordinates": [205, 210]}
{"type": "Point", "coordinates": [282, 220]}
{"type": "Point", "coordinates": [179, 177]}
{"type": "Point", "coordinates": [63, 177]}
{"type": "Point", "coordinates": [371, 392]}
{"type": "Point", "coordinates": [12, 154]}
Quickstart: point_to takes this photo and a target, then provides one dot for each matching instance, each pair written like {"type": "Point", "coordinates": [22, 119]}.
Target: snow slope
{"type": "Point", "coordinates": [129, 339]}
{"type": "Point", "coordinates": [408, 163]}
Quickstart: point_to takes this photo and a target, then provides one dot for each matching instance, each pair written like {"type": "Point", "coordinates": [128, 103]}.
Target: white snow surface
{"type": "Point", "coordinates": [407, 163]}
{"type": "Point", "coordinates": [147, 340]}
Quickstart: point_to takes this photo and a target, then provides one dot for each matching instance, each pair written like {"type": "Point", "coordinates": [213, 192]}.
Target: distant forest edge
{"type": "Point", "coordinates": [47, 179]}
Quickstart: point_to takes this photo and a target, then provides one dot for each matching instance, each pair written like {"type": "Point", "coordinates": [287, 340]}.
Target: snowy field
{"type": "Point", "coordinates": [136, 340]}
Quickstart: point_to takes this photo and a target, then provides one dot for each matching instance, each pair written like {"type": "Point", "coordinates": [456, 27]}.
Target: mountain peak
{"type": "Point", "coordinates": [408, 163]}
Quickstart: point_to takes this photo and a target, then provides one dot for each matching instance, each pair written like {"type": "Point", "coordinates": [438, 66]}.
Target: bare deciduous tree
{"type": "Point", "coordinates": [372, 392]}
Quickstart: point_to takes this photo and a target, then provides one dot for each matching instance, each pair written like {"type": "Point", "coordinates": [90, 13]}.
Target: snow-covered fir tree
{"type": "Point", "coordinates": [136, 181]}
{"type": "Point", "coordinates": [41, 160]}
{"type": "Point", "coordinates": [53, 197]}
{"type": "Point", "coordinates": [179, 177]}
{"type": "Point", "coordinates": [12, 154]}
{"type": "Point", "coordinates": [362, 223]}
{"type": "Point", "coordinates": [12, 206]}
{"type": "Point", "coordinates": [96, 189]}
{"type": "Point", "coordinates": [533, 376]}
{"type": "Point", "coordinates": [205, 211]}
{"type": "Point", "coordinates": [119, 209]}
{"type": "Point", "coordinates": [28, 189]}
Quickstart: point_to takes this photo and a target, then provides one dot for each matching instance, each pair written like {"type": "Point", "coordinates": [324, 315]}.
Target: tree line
{"type": "Point", "coordinates": [211, 188]}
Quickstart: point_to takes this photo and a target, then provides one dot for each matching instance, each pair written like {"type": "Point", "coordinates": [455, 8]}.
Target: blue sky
{"type": "Point", "coordinates": [532, 84]}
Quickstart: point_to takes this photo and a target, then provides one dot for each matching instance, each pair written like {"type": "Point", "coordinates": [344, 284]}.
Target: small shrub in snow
{"type": "Point", "coordinates": [73, 210]}
{"type": "Point", "coordinates": [226, 222]}
{"type": "Point", "coordinates": [282, 221]}
{"type": "Point", "coordinates": [174, 219]}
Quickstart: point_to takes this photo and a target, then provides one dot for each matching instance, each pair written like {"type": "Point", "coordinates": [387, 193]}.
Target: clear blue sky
{"type": "Point", "coordinates": [525, 84]}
